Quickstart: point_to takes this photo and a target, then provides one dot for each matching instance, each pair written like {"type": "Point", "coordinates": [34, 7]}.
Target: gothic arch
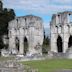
{"type": "Point", "coordinates": [25, 45]}
{"type": "Point", "coordinates": [70, 41]}
{"type": "Point", "coordinates": [59, 44]}
{"type": "Point", "coordinates": [17, 43]}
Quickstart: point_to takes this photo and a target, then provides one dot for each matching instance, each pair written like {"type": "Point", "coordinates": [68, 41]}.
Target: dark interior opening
{"type": "Point", "coordinates": [17, 43]}
{"type": "Point", "coordinates": [59, 44]}
{"type": "Point", "coordinates": [25, 45]}
{"type": "Point", "coordinates": [70, 42]}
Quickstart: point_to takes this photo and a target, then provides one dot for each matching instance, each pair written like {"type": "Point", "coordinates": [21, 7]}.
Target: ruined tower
{"type": "Point", "coordinates": [61, 32]}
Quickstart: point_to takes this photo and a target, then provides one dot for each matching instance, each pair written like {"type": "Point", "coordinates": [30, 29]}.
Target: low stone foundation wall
{"type": "Point", "coordinates": [60, 55]}
{"type": "Point", "coordinates": [14, 66]}
{"type": "Point", "coordinates": [52, 55]}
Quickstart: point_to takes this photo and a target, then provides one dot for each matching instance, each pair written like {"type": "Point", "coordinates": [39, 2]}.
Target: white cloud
{"type": "Point", "coordinates": [62, 1]}
{"type": "Point", "coordinates": [39, 6]}
{"type": "Point", "coordinates": [44, 7]}
{"type": "Point", "coordinates": [46, 25]}
{"type": "Point", "coordinates": [47, 28]}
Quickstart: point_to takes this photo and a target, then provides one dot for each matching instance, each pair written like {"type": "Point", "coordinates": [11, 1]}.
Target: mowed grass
{"type": "Point", "coordinates": [50, 65]}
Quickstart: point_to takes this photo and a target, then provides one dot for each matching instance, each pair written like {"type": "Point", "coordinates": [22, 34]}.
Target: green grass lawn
{"type": "Point", "coordinates": [50, 65]}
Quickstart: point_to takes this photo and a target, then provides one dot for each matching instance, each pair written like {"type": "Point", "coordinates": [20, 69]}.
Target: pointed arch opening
{"type": "Point", "coordinates": [59, 44]}
{"type": "Point", "coordinates": [17, 43]}
{"type": "Point", "coordinates": [25, 45]}
{"type": "Point", "coordinates": [70, 41]}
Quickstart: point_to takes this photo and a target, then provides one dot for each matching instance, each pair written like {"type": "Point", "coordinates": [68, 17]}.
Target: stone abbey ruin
{"type": "Point", "coordinates": [26, 34]}
{"type": "Point", "coordinates": [27, 30]}
{"type": "Point", "coordinates": [61, 32]}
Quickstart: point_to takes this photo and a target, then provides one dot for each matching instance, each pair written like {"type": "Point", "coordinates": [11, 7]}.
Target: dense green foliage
{"type": "Point", "coordinates": [50, 65]}
{"type": "Point", "coordinates": [5, 17]}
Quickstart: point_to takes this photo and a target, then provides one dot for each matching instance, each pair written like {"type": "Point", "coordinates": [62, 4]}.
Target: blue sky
{"type": "Point", "coordinates": [42, 8]}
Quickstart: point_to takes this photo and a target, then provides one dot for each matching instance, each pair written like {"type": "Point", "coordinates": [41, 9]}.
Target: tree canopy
{"type": "Point", "coordinates": [5, 16]}
{"type": "Point", "coordinates": [46, 44]}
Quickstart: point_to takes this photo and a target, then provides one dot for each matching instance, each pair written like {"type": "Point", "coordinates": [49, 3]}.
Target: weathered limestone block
{"type": "Point", "coordinates": [71, 30]}
{"type": "Point", "coordinates": [21, 48]}
{"type": "Point", "coordinates": [59, 30]}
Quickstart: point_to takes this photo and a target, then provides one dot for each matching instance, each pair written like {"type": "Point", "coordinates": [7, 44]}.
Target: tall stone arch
{"type": "Point", "coordinates": [62, 22]}
{"type": "Point", "coordinates": [17, 43]}
{"type": "Point", "coordinates": [26, 26]}
{"type": "Point", "coordinates": [59, 44]}
{"type": "Point", "coordinates": [70, 41]}
{"type": "Point", "coordinates": [26, 45]}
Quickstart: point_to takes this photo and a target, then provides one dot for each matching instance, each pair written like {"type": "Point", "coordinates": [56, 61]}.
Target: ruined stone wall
{"type": "Point", "coordinates": [14, 66]}
{"type": "Point", "coordinates": [60, 26]}
{"type": "Point", "coordinates": [30, 27]}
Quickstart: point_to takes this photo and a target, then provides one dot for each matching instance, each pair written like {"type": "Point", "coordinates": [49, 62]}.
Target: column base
{"type": "Point", "coordinates": [20, 55]}
{"type": "Point", "coordinates": [14, 51]}
{"type": "Point", "coordinates": [34, 52]}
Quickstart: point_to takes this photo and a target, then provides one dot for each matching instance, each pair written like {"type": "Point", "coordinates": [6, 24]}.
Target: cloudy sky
{"type": "Point", "coordinates": [42, 8]}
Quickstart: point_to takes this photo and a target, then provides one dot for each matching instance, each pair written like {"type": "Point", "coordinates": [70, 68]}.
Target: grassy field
{"type": "Point", "coordinates": [50, 65]}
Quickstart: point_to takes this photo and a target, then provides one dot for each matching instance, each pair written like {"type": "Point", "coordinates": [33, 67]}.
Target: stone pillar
{"type": "Point", "coordinates": [12, 45]}
{"type": "Point", "coordinates": [21, 46]}
{"type": "Point", "coordinates": [54, 47]}
{"type": "Point", "coordinates": [65, 37]}
{"type": "Point", "coordinates": [54, 42]}
{"type": "Point", "coordinates": [65, 47]}
{"type": "Point", "coordinates": [65, 42]}
{"type": "Point", "coordinates": [30, 48]}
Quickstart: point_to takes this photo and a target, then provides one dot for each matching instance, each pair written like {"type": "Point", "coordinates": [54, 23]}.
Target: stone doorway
{"type": "Point", "coordinates": [59, 44]}
{"type": "Point", "coordinates": [70, 41]}
{"type": "Point", "coordinates": [25, 45]}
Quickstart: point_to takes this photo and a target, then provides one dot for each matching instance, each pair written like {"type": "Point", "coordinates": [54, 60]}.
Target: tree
{"type": "Point", "coordinates": [5, 16]}
{"type": "Point", "coordinates": [46, 43]}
